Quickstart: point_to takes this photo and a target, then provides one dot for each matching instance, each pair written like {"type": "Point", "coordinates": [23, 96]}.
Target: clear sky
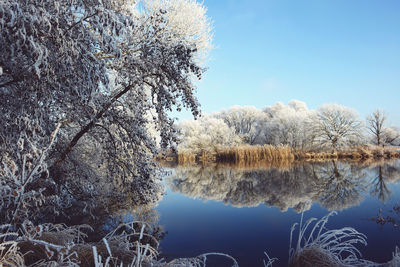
{"type": "Point", "coordinates": [317, 51]}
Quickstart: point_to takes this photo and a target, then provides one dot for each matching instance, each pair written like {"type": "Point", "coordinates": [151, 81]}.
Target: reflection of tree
{"type": "Point", "coordinates": [206, 182]}
{"type": "Point", "coordinates": [379, 187]}
{"type": "Point", "coordinates": [342, 185]}
{"type": "Point", "coordinates": [385, 173]}
{"type": "Point", "coordinates": [336, 185]}
{"type": "Point", "coordinates": [282, 189]}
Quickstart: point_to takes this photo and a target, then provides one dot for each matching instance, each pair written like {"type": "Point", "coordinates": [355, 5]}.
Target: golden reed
{"type": "Point", "coordinates": [238, 155]}
{"type": "Point", "coordinates": [247, 155]}
{"type": "Point", "coordinates": [353, 153]}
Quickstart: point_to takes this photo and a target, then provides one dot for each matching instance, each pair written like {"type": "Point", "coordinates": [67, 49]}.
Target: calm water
{"type": "Point", "coordinates": [246, 212]}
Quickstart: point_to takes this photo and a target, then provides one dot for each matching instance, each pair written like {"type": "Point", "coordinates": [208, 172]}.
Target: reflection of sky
{"type": "Point", "coordinates": [195, 226]}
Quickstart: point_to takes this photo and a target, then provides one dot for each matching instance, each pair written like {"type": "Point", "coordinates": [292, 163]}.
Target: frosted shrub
{"type": "Point", "coordinates": [206, 134]}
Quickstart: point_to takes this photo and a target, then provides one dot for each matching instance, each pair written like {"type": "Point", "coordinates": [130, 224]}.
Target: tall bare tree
{"type": "Point", "coordinates": [375, 124]}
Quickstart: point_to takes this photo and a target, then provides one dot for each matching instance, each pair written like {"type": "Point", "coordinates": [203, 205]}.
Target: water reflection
{"type": "Point", "coordinates": [343, 185]}
{"type": "Point", "coordinates": [335, 185]}
{"type": "Point", "coordinates": [384, 174]}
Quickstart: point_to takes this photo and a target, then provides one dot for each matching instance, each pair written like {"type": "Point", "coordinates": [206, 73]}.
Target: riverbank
{"type": "Point", "coordinates": [249, 155]}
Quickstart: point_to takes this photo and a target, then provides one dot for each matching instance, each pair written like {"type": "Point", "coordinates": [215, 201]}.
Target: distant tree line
{"type": "Point", "coordinates": [329, 127]}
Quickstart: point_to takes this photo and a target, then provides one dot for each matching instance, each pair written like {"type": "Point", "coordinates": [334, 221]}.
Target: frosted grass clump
{"type": "Point", "coordinates": [326, 247]}
{"type": "Point", "coordinates": [144, 254]}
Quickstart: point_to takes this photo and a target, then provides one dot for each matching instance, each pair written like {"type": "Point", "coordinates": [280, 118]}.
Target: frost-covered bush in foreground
{"type": "Point", "coordinates": [58, 245]}
{"type": "Point", "coordinates": [21, 197]}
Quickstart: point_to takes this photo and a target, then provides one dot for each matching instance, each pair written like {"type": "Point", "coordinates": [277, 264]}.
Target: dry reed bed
{"type": "Point", "coordinates": [239, 155]}
{"type": "Point", "coordinates": [248, 156]}
{"type": "Point", "coordinates": [255, 154]}
{"type": "Point", "coordinates": [354, 153]}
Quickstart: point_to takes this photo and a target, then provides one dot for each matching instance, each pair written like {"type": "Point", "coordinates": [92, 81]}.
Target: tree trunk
{"type": "Point", "coordinates": [87, 128]}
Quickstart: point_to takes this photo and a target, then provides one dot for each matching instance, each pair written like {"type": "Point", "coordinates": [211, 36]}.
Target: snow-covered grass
{"type": "Point", "coordinates": [59, 245]}
{"type": "Point", "coordinates": [317, 246]}
{"type": "Point", "coordinates": [325, 247]}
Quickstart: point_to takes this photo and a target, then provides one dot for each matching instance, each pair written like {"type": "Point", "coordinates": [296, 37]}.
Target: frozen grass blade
{"type": "Point", "coordinates": [107, 246]}
{"type": "Point", "coordinates": [97, 262]}
{"type": "Point", "coordinates": [270, 261]}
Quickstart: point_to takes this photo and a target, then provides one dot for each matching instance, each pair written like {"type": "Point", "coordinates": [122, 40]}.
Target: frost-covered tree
{"type": "Point", "coordinates": [296, 125]}
{"type": "Point", "coordinates": [245, 120]}
{"type": "Point", "coordinates": [288, 124]}
{"type": "Point", "coordinates": [336, 126]}
{"type": "Point", "coordinates": [105, 70]}
{"type": "Point", "coordinates": [391, 136]}
{"type": "Point", "coordinates": [206, 134]}
{"type": "Point", "coordinates": [376, 124]}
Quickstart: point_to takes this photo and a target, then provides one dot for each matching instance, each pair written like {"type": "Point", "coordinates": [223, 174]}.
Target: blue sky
{"type": "Point", "coordinates": [317, 51]}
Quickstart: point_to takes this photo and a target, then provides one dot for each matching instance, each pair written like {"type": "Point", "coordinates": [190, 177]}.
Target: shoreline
{"type": "Point", "coordinates": [276, 155]}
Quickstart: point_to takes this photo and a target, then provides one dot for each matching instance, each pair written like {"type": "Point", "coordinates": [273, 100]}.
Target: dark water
{"type": "Point", "coordinates": [246, 212]}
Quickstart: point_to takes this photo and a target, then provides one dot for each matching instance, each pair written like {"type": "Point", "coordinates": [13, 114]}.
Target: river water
{"type": "Point", "coordinates": [245, 212]}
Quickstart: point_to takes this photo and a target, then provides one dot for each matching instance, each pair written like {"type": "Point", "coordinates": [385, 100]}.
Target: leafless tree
{"type": "Point", "coordinates": [375, 124]}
